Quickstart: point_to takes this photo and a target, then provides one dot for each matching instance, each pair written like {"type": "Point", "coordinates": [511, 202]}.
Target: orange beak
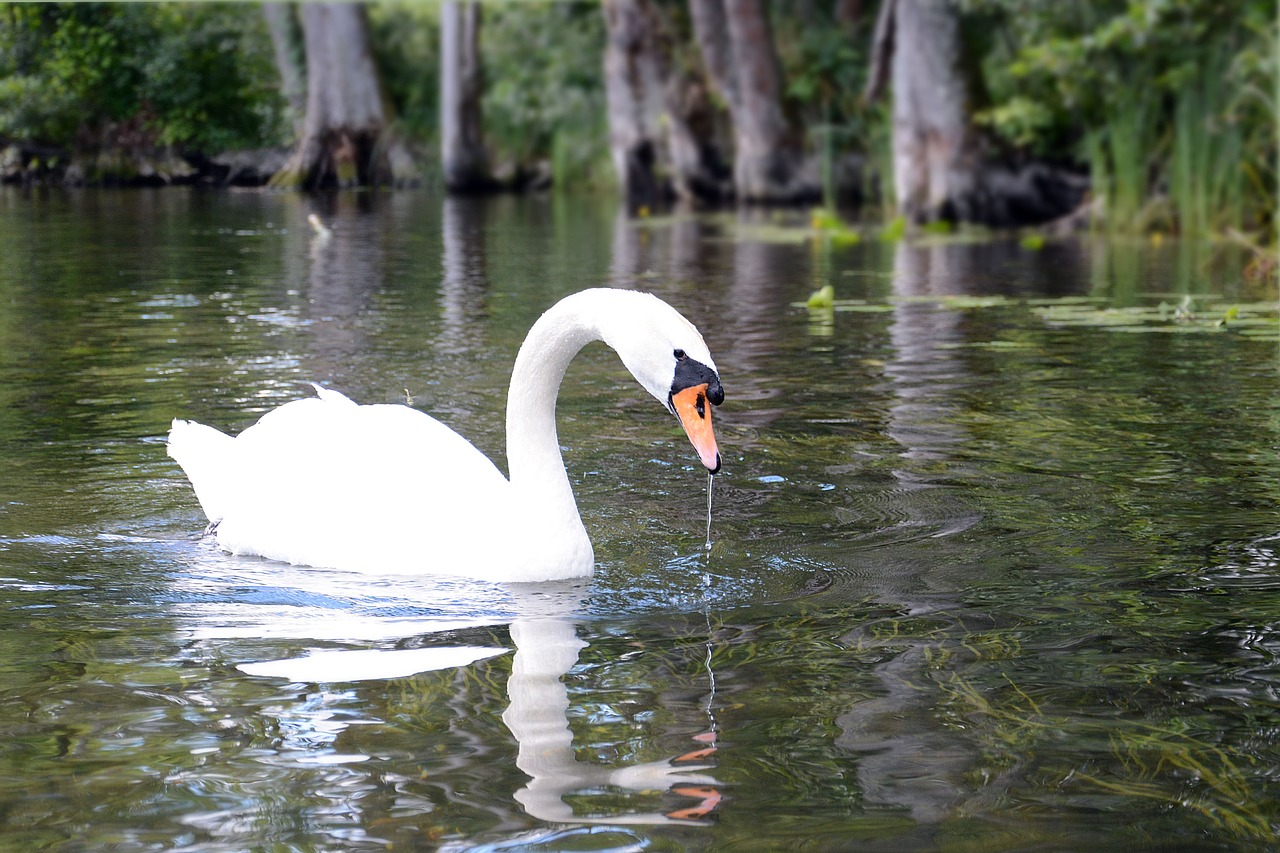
{"type": "Point", "coordinates": [694, 411]}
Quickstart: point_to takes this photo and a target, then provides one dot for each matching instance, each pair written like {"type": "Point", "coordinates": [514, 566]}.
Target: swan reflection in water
{"type": "Point", "coordinates": [546, 650]}
{"type": "Point", "coordinates": [542, 624]}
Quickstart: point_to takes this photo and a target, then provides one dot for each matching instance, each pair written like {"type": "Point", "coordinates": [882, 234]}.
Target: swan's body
{"type": "Point", "coordinates": [387, 489]}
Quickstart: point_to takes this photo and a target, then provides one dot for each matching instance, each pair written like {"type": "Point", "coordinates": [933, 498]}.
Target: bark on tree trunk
{"type": "Point", "coordinates": [634, 80]}
{"type": "Point", "coordinates": [738, 52]}
{"type": "Point", "coordinates": [711, 30]}
{"type": "Point", "coordinates": [936, 156]}
{"type": "Point", "coordinates": [286, 43]}
{"type": "Point", "coordinates": [699, 170]}
{"type": "Point", "coordinates": [345, 140]}
{"type": "Point", "coordinates": [463, 159]}
{"type": "Point", "coordinates": [658, 121]}
{"type": "Point", "coordinates": [881, 53]}
{"type": "Point", "coordinates": [941, 169]}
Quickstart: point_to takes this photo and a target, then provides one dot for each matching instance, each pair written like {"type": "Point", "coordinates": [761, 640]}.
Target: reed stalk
{"type": "Point", "coordinates": [1206, 180]}
{"type": "Point", "coordinates": [1131, 137]}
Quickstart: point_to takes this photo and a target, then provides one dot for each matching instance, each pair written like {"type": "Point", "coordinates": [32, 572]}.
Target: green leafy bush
{"type": "Point", "coordinates": [406, 42]}
{"type": "Point", "coordinates": [545, 93]}
{"type": "Point", "coordinates": [197, 75]}
{"type": "Point", "coordinates": [1169, 102]}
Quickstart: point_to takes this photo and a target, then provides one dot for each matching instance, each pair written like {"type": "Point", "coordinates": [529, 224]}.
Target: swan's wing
{"type": "Point", "coordinates": [325, 482]}
{"type": "Point", "coordinates": [389, 449]}
{"type": "Point", "coordinates": [216, 463]}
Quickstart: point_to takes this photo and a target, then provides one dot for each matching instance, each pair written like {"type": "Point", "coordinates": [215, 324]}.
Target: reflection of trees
{"type": "Point", "coordinates": [985, 439]}
{"type": "Point", "coordinates": [82, 327]}
{"type": "Point", "coordinates": [903, 759]}
{"type": "Point", "coordinates": [105, 298]}
{"type": "Point", "coordinates": [345, 270]}
{"type": "Point", "coordinates": [759, 294]}
{"type": "Point", "coordinates": [924, 373]}
{"type": "Point", "coordinates": [464, 285]}
{"type": "Point", "coordinates": [451, 387]}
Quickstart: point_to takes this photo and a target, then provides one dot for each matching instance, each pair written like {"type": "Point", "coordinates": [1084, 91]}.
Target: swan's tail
{"type": "Point", "coordinates": [205, 456]}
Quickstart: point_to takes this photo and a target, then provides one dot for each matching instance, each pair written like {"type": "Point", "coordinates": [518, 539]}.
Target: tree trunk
{"type": "Point", "coordinates": [699, 169]}
{"type": "Point", "coordinates": [635, 71]}
{"type": "Point", "coordinates": [768, 159]}
{"type": "Point", "coordinates": [881, 53]}
{"type": "Point", "coordinates": [345, 141]}
{"type": "Point", "coordinates": [936, 156]}
{"type": "Point", "coordinates": [712, 33]}
{"type": "Point", "coordinates": [660, 127]}
{"type": "Point", "coordinates": [463, 158]}
{"type": "Point", "coordinates": [291, 61]}
{"type": "Point", "coordinates": [940, 170]}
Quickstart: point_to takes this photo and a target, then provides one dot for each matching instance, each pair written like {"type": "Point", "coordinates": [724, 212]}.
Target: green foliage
{"type": "Point", "coordinates": [823, 297]}
{"type": "Point", "coordinates": [895, 230]}
{"type": "Point", "coordinates": [1254, 106]}
{"type": "Point", "coordinates": [1023, 121]}
{"type": "Point", "coordinates": [824, 66]}
{"type": "Point", "coordinates": [210, 80]}
{"type": "Point", "coordinates": [1124, 153]}
{"type": "Point", "coordinates": [826, 219]}
{"type": "Point", "coordinates": [825, 70]}
{"type": "Point", "coordinates": [545, 92]}
{"type": "Point", "coordinates": [183, 74]}
{"type": "Point", "coordinates": [406, 40]}
{"type": "Point", "coordinates": [1163, 99]}
{"type": "Point", "coordinates": [1206, 178]}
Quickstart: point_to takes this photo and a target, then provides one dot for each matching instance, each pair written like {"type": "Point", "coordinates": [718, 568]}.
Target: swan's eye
{"type": "Point", "coordinates": [680, 355]}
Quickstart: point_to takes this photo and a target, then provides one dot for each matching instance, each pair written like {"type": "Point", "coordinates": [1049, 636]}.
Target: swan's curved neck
{"type": "Point", "coordinates": [533, 447]}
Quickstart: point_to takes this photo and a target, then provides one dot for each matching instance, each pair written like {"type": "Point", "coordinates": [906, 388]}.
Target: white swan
{"type": "Point", "coordinates": [387, 489]}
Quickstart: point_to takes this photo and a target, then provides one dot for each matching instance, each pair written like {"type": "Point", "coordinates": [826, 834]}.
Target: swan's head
{"type": "Point", "coordinates": [668, 357]}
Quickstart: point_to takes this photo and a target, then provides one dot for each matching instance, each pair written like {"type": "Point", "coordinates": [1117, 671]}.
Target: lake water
{"type": "Point", "coordinates": [996, 559]}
